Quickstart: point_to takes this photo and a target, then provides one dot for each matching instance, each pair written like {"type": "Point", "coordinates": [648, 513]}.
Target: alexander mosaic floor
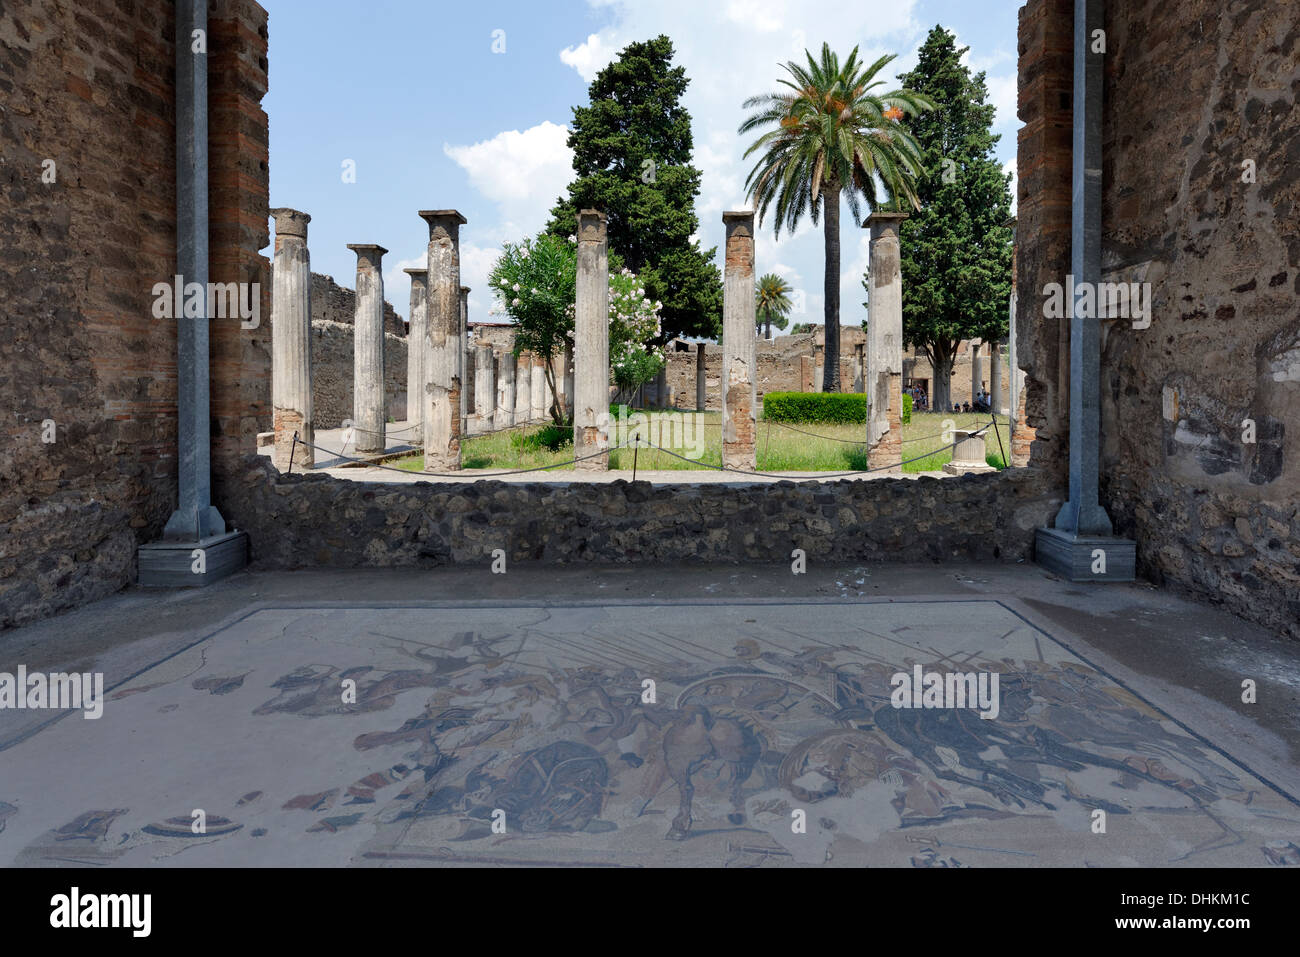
{"type": "Point", "coordinates": [761, 710]}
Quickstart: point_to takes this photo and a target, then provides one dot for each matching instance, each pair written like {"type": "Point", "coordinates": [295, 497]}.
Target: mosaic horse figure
{"type": "Point", "coordinates": [693, 740]}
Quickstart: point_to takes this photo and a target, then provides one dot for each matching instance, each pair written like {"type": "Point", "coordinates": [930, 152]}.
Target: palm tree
{"type": "Point", "coordinates": [830, 134]}
{"type": "Point", "coordinates": [772, 301]}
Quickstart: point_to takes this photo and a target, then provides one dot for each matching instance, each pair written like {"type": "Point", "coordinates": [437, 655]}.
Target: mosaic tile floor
{"type": "Point", "coordinates": [533, 718]}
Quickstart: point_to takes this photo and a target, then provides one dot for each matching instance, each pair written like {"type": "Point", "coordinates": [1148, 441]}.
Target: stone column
{"type": "Point", "coordinates": [976, 375]}
{"type": "Point", "coordinates": [548, 399]}
{"type": "Point", "coordinates": [415, 348]}
{"type": "Point", "coordinates": [368, 408]}
{"type": "Point", "coordinates": [701, 380]}
{"type": "Point", "coordinates": [537, 399]}
{"type": "Point", "coordinates": [523, 389]}
{"type": "Point", "coordinates": [591, 345]}
{"type": "Point", "coordinates": [568, 382]}
{"type": "Point", "coordinates": [485, 387]}
{"type": "Point", "coordinates": [440, 410]}
{"type": "Point", "coordinates": [291, 341]}
{"type": "Point", "coordinates": [1083, 532]}
{"type": "Point", "coordinates": [739, 345]}
{"type": "Point", "coordinates": [505, 391]}
{"type": "Point", "coordinates": [464, 359]}
{"type": "Point", "coordinates": [995, 377]}
{"type": "Point", "coordinates": [884, 362]}
{"type": "Point", "coordinates": [859, 368]}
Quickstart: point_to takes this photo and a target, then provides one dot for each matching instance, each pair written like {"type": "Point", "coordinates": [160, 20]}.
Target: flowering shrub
{"type": "Point", "coordinates": [633, 323]}
{"type": "Point", "coordinates": [535, 283]}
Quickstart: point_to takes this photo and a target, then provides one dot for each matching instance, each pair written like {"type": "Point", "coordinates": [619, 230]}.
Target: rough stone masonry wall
{"type": "Point", "coordinates": [333, 312]}
{"type": "Point", "coordinates": [332, 357]}
{"type": "Point", "coordinates": [316, 520]}
{"type": "Point", "coordinates": [1193, 90]}
{"type": "Point", "coordinates": [89, 86]}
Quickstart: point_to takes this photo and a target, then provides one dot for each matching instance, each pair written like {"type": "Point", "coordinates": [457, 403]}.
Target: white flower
{"type": "Point", "coordinates": [516, 287]}
{"type": "Point", "coordinates": [516, 302]}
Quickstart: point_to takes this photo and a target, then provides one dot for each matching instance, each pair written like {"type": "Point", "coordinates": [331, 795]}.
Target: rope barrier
{"type": "Point", "coordinates": [357, 428]}
{"type": "Point", "coordinates": [699, 465]}
{"type": "Point", "coordinates": [475, 476]}
{"type": "Point", "coordinates": [806, 477]}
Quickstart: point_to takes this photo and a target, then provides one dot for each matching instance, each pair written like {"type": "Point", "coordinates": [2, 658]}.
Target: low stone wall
{"type": "Point", "coordinates": [316, 520]}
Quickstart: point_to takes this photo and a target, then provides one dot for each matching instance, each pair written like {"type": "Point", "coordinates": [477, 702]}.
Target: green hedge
{"type": "Point", "coordinates": [907, 409]}
{"type": "Point", "coordinates": [847, 408]}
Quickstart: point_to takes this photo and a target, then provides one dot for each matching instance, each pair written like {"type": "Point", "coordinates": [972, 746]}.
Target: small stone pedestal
{"type": "Point", "coordinates": [969, 455]}
{"type": "Point", "coordinates": [171, 564]}
{"type": "Point", "coordinates": [1086, 558]}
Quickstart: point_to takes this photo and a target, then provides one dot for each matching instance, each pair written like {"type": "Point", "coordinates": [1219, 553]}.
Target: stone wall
{"type": "Point", "coordinates": [331, 302]}
{"type": "Point", "coordinates": [88, 88]}
{"type": "Point", "coordinates": [1194, 90]}
{"type": "Point", "coordinates": [333, 312]}
{"type": "Point", "coordinates": [296, 521]}
{"type": "Point", "coordinates": [332, 357]}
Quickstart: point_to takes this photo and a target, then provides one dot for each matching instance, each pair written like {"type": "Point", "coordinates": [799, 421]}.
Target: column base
{"type": "Point", "coordinates": [1075, 557]}
{"type": "Point", "coordinates": [172, 564]}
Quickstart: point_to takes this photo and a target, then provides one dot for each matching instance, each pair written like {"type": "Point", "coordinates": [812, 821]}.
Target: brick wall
{"type": "Point", "coordinates": [1044, 172]}
{"type": "Point", "coordinates": [90, 88]}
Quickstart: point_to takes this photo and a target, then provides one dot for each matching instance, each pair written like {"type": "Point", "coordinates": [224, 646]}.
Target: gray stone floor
{"type": "Point", "coordinates": [523, 694]}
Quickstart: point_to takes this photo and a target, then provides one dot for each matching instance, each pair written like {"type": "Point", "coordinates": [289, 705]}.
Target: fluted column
{"type": "Point", "coordinates": [443, 349]}
{"type": "Point", "coordinates": [464, 359]}
{"type": "Point", "coordinates": [591, 345]}
{"type": "Point", "coordinates": [884, 353]}
{"type": "Point", "coordinates": [485, 388]}
{"type": "Point", "coordinates": [415, 348]}
{"type": "Point", "coordinates": [291, 378]}
{"type": "Point", "coordinates": [739, 381]}
{"type": "Point", "coordinates": [368, 408]}
{"type": "Point", "coordinates": [505, 391]}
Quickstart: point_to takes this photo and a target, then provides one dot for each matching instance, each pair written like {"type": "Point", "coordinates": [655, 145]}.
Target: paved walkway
{"type": "Point", "coordinates": [373, 719]}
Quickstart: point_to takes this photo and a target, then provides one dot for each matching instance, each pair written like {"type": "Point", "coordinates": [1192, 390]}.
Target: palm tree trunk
{"type": "Point", "coordinates": [831, 354]}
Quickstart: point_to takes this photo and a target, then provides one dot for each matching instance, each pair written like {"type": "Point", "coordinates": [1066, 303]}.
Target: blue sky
{"type": "Point", "coordinates": [412, 92]}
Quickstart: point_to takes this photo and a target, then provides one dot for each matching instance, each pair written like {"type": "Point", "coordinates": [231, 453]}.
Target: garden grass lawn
{"type": "Point", "coordinates": [782, 447]}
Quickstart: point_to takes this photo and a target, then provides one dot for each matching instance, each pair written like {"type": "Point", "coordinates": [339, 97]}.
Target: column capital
{"type": "Point", "coordinates": [884, 221]}
{"type": "Point", "coordinates": [368, 253]}
{"type": "Point", "coordinates": [592, 226]}
{"type": "Point", "coordinates": [290, 222]}
{"type": "Point", "coordinates": [417, 273]}
{"type": "Point", "coordinates": [447, 217]}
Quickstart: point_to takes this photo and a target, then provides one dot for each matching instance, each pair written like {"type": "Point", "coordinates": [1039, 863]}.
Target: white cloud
{"type": "Point", "coordinates": [476, 264]}
{"type": "Point", "coordinates": [1003, 91]}
{"type": "Point", "coordinates": [591, 56]}
{"type": "Point", "coordinates": [523, 173]}
{"type": "Point", "coordinates": [732, 51]}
